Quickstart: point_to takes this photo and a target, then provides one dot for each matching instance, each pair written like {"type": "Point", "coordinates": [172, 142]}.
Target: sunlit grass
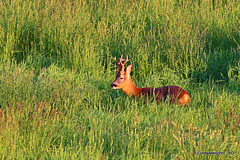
{"type": "Point", "coordinates": [57, 66]}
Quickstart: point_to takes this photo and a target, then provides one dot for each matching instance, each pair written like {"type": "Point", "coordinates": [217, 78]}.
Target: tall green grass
{"type": "Point", "coordinates": [57, 66]}
{"type": "Point", "coordinates": [184, 36]}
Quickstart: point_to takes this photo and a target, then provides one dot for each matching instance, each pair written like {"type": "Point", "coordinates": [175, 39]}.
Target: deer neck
{"type": "Point", "coordinates": [130, 89]}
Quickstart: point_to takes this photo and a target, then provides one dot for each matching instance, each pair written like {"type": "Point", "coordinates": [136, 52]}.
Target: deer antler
{"type": "Point", "coordinates": [120, 64]}
{"type": "Point", "coordinates": [125, 60]}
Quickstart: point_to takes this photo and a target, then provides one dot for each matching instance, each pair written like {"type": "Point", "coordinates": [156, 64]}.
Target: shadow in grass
{"type": "Point", "coordinates": [217, 66]}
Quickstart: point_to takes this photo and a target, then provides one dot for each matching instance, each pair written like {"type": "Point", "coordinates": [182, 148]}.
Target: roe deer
{"type": "Point", "coordinates": [123, 81]}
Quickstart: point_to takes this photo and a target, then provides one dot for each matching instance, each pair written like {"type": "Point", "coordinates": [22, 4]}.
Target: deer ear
{"type": "Point", "coordinates": [129, 68]}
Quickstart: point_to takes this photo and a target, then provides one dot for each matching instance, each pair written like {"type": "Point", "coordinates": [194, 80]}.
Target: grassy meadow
{"type": "Point", "coordinates": [57, 64]}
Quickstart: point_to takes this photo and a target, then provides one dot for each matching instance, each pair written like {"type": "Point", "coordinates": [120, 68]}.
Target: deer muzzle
{"type": "Point", "coordinates": [114, 86]}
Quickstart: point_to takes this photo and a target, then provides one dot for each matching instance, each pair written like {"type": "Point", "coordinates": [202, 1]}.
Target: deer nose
{"type": "Point", "coordinates": [113, 85]}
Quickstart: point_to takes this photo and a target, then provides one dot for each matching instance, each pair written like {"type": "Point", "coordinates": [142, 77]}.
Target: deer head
{"type": "Point", "coordinates": [123, 76]}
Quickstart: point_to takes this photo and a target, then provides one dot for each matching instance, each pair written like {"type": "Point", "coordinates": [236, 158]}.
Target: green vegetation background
{"type": "Point", "coordinates": [56, 67]}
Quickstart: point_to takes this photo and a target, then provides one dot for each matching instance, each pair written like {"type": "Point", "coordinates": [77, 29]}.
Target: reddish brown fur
{"type": "Point", "coordinates": [123, 81]}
